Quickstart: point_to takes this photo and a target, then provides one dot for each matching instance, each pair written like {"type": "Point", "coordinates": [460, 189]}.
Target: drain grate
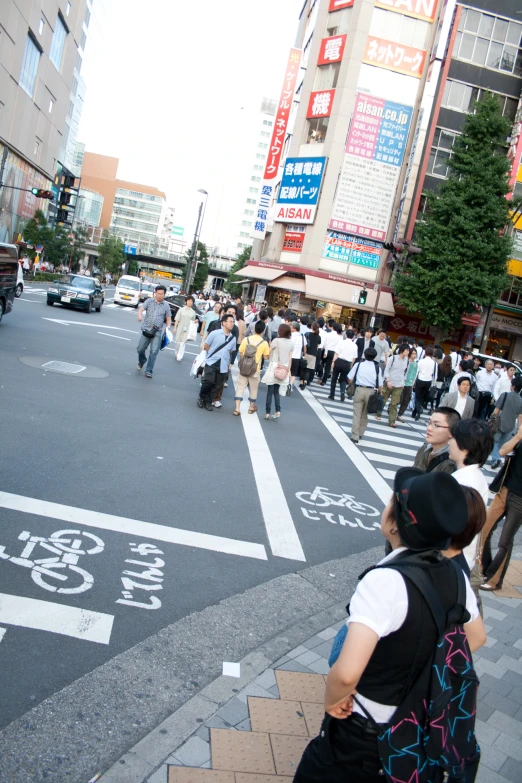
{"type": "Point", "coordinates": [65, 367]}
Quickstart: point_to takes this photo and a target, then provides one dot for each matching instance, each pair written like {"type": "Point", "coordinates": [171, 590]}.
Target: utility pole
{"type": "Point", "coordinates": [191, 269]}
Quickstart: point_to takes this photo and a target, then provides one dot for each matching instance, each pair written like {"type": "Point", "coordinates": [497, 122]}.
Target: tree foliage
{"type": "Point", "coordinates": [234, 288]}
{"type": "Point", "coordinates": [57, 243]}
{"type": "Point", "coordinates": [110, 253]}
{"type": "Point", "coordinates": [464, 247]}
{"type": "Point", "coordinates": [200, 278]}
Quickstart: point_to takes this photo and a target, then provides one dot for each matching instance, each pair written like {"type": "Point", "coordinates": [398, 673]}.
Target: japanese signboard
{"type": "Point", "coordinates": [276, 144]}
{"type": "Point", "coordinates": [394, 56]}
{"type": "Point", "coordinates": [410, 326]}
{"type": "Point", "coordinates": [320, 104]}
{"type": "Point", "coordinates": [260, 293]}
{"type": "Point", "coordinates": [332, 50]}
{"type": "Point", "coordinates": [293, 303]}
{"type": "Point", "coordinates": [299, 191]}
{"type": "Point", "coordinates": [294, 238]}
{"type": "Point", "coordinates": [336, 5]}
{"type": "Point", "coordinates": [351, 249]}
{"type": "Point", "coordinates": [177, 231]}
{"type": "Point", "coordinates": [373, 157]}
{"type": "Point", "coordinates": [422, 9]}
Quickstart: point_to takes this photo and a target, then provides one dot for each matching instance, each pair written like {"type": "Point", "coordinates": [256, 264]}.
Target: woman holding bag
{"type": "Point", "coordinates": [183, 320]}
{"type": "Point", "coordinates": [278, 373]}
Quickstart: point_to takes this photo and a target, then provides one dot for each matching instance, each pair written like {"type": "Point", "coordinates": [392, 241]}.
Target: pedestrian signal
{"type": "Point", "coordinates": [42, 193]}
{"type": "Point", "coordinates": [363, 296]}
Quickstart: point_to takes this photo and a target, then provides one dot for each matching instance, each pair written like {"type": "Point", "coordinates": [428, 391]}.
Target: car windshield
{"type": "Point", "coordinates": [131, 284]}
{"type": "Point", "coordinates": [78, 281]}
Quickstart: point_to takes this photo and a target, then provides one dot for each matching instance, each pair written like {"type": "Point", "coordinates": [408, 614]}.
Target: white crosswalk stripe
{"type": "Point", "coordinates": [387, 448]}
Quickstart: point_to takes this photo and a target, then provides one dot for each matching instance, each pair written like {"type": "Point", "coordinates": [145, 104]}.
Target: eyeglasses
{"type": "Point", "coordinates": [436, 426]}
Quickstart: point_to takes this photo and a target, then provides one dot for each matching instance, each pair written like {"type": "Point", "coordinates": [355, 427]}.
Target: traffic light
{"type": "Point", "coordinates": [66, 201]}
{"type": "Point", "coordinates": [363, 295]}
{"type": "Point", "coordinates": [42, 193]}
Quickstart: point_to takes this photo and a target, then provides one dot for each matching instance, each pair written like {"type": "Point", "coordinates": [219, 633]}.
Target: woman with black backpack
{"type": "Point", "coordinates": [387, 708]}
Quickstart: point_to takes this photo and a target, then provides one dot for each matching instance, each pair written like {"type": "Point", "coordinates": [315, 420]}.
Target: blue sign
{"type": "Point", "coordinates": [301, 183]}
{"type": "Point", "coordinates": [130, 250]}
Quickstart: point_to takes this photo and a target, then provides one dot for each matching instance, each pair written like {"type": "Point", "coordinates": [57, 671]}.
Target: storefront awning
{"type": "Point", "coordinates": [259, 273]}
{"type": "Point", "coordinates": [347, 295]}
{"type": "Point", "coordinates": [289, 283]}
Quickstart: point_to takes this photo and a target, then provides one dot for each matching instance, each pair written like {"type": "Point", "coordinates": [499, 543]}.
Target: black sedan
{"type": "Point", "coordinates": [176, 301]}
{"type": "Point", "coordinates": [79, 291]}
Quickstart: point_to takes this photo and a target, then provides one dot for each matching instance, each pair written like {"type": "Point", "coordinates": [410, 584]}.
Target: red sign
{"type": "Point", "coordinates": [320, 104]}
{"type": "Point", "coordinates": [336, 5]}
{"type": "Point", "coordinates": [293, 242]}
{"type": "Point", "coordinates": [394, 57]}
{"type": "Point", "coordinates": [332, 50]}
{"type": "Point", "coordinates": [283, 112]}
{"type": "Point", "coordinates": [421, 9]}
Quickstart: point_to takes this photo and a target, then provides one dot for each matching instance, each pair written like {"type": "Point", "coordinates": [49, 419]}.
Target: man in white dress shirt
{"type": "Point", "coordinates": [486, 381]}
{"type": "Point", "coordinates": [366, 376]}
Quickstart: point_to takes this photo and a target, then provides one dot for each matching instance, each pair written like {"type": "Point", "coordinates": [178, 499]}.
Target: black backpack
{"type": "Point", "coordinates": [431, 736]}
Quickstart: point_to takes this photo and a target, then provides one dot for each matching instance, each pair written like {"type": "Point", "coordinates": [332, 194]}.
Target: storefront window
{"type": "Point", "coordinates": [316, 130]}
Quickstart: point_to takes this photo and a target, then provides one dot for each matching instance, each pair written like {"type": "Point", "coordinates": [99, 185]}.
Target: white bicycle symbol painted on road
{"type": "Point", "coordinates": [323, 498]}
{"type": "Point", "coordinates": [67, 546]}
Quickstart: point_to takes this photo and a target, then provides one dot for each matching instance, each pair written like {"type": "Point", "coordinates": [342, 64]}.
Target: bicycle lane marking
{"type": "Point", "coordinates": [363, 465]}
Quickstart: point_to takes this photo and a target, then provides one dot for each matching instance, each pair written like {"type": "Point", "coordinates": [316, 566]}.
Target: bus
{"type": "Point", "coordinates": [8, 277]}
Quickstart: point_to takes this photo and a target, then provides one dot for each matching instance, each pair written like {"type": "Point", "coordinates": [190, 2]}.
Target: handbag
{"type": "Point", "coordinates": [192, 330]}
{"type": "Point", "coordinates": [498, 482]}
{"type": "Point", "coordinates": [280, 371]}
{"type": "Point", "coordinates": [494, 419]}
{"type": "Point", "coordinates": [149, 333]}
{"type": "Point", "coordinates": [350, 391]}
{"type": "Point", "coordinates": [198, 362]}
{"type": "Point", "coordinates": [376, 401]}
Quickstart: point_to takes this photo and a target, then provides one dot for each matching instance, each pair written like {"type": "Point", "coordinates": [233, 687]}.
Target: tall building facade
{"type": "Point", "coordinates": [40, 42]}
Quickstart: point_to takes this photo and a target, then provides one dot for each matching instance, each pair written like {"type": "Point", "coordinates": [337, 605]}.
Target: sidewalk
{"type": "Point", "coordinates": [259, 734]}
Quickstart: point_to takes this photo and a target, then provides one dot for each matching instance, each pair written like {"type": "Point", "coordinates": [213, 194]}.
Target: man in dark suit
{"type": "Point", "coordinates": [364, 342]}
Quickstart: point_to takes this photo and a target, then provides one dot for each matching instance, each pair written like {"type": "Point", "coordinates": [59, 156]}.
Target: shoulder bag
{"type": "Point", "coordinates": [498, 482]}
{"type": "Point", "coordinates": [227, 341]}
{"type": "Point", "coordinates": [376, 401]}
{"type": "Point", "coordinates": [494, 419]}
{"type": "Point", "coordinates": [280, 370]}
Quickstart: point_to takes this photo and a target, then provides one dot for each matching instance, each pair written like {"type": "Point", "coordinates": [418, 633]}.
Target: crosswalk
{"type": "Point", "coordinates": [387, 449]}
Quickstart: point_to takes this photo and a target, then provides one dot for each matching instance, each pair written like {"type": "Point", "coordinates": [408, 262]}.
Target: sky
{"type": "Point", "coordinates": [174, 90]}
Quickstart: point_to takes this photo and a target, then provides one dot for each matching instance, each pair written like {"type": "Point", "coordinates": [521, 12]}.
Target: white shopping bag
{"type": "Point", "coordinates": [196, 364]}
{"type": "Point", "coordinates": [193, 330]}
{"type": "Point", "coordinates": [169, 336]}
{"type": "Point", "coordinates": [181, 352]}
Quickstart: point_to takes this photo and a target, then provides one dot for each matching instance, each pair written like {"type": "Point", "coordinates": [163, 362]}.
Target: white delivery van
{"type": "Point", "coordinates": [128, 291]}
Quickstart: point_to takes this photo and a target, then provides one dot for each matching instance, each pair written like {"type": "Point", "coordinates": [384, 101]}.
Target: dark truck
{"type": "Point", "coordinates": [8, 277]}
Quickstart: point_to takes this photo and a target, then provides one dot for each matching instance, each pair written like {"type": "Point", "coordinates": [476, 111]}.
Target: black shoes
{"type": "Point", "coordinates": [201, 403]}
{"type": "Point", "coordinates": [209, 406]}
{"type": "Point", "coordinates": [332, 398]}
{"type": "Point", "coordinates": [496, 464]}
{"type": "Point", "coordinates": [342, 398]}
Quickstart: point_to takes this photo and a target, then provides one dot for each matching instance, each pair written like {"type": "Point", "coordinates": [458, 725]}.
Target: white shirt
{"type": "Point", "coordinates": [421, 353]}
{"type": "Point", "coordinates": [454, 360]}
{"type": "Point", "coordinates": [427, 369]}
{"type": "Point", "coordinates": [332, 341]}
{"type": "Point", "coordinates": [461, 403]}
{"type": "Point", "coordinates": [366, 374]}
{"type": "Point", "coordinates": [486, 381]}
{"type": "Point", "coordinates": [298, 341]}
{"type": "Point", "coordinates": [503, 384]}
{"type": "Point", "coordinates": [304, 329]}
{"type": "Point", "coordinates": [453, 385]}
{"type": "Point", "coordinates": [472, 476]}
{"type": "Point", "coordinates": [347, 350]}
{"type": "Point", "coordinates": [380, 602]}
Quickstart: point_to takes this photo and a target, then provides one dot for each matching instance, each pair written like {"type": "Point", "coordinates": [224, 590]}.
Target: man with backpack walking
{"type": "Point", "coordinates": [252, 351]}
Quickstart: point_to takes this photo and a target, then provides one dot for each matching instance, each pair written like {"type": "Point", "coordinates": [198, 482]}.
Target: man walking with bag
{"type": "Point", "coordinates": [394, 377]}
{"type": "Point", "coordinates": [251, 351]}
{"type": "Point", "coordinates": [157, 314]}
{"type": "Point", "coordinates": [367, 377]}
{"type": "Point", "coordinates": [219, 345]}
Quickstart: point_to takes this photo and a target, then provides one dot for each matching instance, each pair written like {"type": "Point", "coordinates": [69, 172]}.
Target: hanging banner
{"type": "Point", "coordinates": [332, 50]}
{"type": "Point", "coordinates": [336, 5]}
{"type": "Point", "coordinates": [276, 144]}
{"type": "Point", "coordinates": [394, 56]}
{"type": "Point", "coordinates": [370, 172]}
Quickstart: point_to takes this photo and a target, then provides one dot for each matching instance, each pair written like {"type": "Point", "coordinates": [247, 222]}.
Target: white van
{"type": "Point", "coordinates": [128, 291]}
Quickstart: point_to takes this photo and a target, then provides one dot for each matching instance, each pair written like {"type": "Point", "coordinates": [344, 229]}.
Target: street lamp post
{"type": "Point", "coordinates": [197, 233]}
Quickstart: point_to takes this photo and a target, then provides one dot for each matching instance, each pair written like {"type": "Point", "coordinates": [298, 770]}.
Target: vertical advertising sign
{"type": "Point", "coordinates": [336, 5]}
{"type": "Point", "coordinates": [372, 162]}
{"type": "Point", "coordinates": [284, 108]}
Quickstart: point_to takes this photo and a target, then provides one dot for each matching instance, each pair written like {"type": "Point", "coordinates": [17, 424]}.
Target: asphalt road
{"type": "Point", "coordinates": [166, 508]}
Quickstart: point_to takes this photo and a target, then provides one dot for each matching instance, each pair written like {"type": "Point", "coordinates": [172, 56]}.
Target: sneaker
{"type": "Point", "coordinates": [148, 375]}
{"type": "Point", "coordinates": [209, 406]}
{"type": "Point", "coordinates": [331, 398]}
{"type": "Point", "coordinates": [216, 404]}
{"type": "Point", "coordinates": [496, 464]}
{"type": "Point", "coordinates": [139, 366]}
{"type": "Point", "coordinates": [201, 403]}
{"type": "Point", "coordinates": [354, 440]}
{"type": "Point", "coordinates": [225, 385]}
{"type": "Point", "coordinates": [343, 398]}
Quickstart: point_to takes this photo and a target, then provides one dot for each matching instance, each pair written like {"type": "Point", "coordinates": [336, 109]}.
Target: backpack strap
{"type": "Point", "coordinates": [376, 374]}
{"type": "Point", "coordinates": [418, 576]}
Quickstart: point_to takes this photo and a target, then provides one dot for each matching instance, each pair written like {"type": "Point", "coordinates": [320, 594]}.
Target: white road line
{"type": "Point", "coordinates": [365, 468]}
{"type": "Point", "coordinates": [387, 474]}
{"type": "Point", "coordinates": [367, 442]}
{"type": "Point", "coordinates": [33, 301]}
{"type": "Point", "coordinates": [56, 618]}
{"type": "Point", "coordinates": [2, 633]}
{"type": "Point", "coordinates": [280, 528]}
{"type": "Point", "coordinates": [401, 463]}
{"type": "Point", "coordinates": [117, 336]}
{"type": "Point", "coordinates": [84, 323]}
{"type": "Point", "coordinates": [132, 527]}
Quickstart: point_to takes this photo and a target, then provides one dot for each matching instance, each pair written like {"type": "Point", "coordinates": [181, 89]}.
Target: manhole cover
{"type": "Point", "coordinates": [70, 369]}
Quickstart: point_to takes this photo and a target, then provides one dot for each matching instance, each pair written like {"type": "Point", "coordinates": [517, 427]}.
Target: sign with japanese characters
{"type": "Point", "coordinates": [394, 56]}
{"type": "Point", "coordinates": [373, 157]}
{"type": "Point", "coordinates": [299, 191]}
{"type": "Point", "coordinates": [320, 104]}
{"type": "Point", "coordinates": [332, 50]}
{"type": "Point", "coordinates": [336, 5]}
{"type": "Point", "coordinates": [284, 108]}
{"type": "Point", "coordinates": [421, 9]}
{"type": "Point", "coordinates": [352, 250]}
{"type": "Point", "coordinates": [294, 238]}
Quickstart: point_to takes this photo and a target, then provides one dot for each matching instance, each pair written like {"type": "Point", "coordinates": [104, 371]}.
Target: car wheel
{"type": "Point", "coordinates": [18, 290]}
{"type": "Point", "coordinates": [98, 309]}
{"type": "Point", "coordinates": [89, 306]}
{"type": "Point", "coordinates": [50, 304]}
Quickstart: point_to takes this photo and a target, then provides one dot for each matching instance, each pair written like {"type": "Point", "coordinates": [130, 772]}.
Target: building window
{"type": "Point", "coordinates": [67, 9]}
{"type": "Point", "coordinates": [246, 223]}
{"type": "Point", "coordinates": [36, 147]}
{"type": "Point", "coordinates": [83, 40]}
{"type": "Point", "coordinates": [260, 156]}
{"type": "Point", "coordinates": [51, 105]}
{"type": "Point", "coordinates": [249, 211]}
{"type": "Point", "coordinates": [41, 26]}
{"type": "Point", "coordinates": [262, 146]}
{"type": "Point", "coordinates": [255, 179]}
{"type": "Point", "coordinates": [258, 168]}
{"type": "Point", "coordinates": [326, 76]}
{"type": "Point", "coordinates": [462, 97]}
{"type": "Point", "coordinates": [29, 66]}
{"type": "Point", "coordinates": [338, 22]}
{"type": "Point", "coordinates": [58, 43]}
{"type": "Point", "coordinates": [440, 154]}
{"type": "Point", "coordinates": [79, 62]}
{"type": "Point", "coordinates": [489, 41]}
{"type": "Point", "coordinates": [268, 122]}
{"type": "Point", "coordinates": [87, 18]}
{"type": "Point", "coordinates": [251, 201]}
{"type": "Point", "coordinates": [315, 131]}
{"type": "Point", "coordinates": [253, 190]}
{"type": "Point", "coordinates": [267, 134]}
{"type": "Point", "coordinates": [244, 234]}
{"type": "Point", "coordinates": [401, 29]}
{"type": "Point", "coordinates": [74, 85]}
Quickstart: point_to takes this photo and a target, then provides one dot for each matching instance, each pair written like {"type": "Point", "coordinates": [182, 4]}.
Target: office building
{"type": "Point", "coordinates": [41, 42]}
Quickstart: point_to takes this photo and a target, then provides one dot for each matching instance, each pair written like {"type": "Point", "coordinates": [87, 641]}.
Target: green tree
{"type": "Point", "coordinates": [57, 242]}
{"type": "Point", "coordinates": [234, 288]}
{"type": "Point", "coordinates": [200, 278]}
{"type": "Point", "coordinates": [464, 246]}
{"type": "Point", "coordinates": [132, 267]}
{"type": "Point", "coordinates": [79, 238]}
{"type": "Point", "coordinates": [110, 253]}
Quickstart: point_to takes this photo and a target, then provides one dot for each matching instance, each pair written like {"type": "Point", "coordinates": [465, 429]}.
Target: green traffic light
{"type": "Point", "coordinates": [35, 191]}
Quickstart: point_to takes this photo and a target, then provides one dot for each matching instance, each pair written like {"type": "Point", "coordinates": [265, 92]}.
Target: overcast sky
{"type": "Point", "coordinates": [173, 89]}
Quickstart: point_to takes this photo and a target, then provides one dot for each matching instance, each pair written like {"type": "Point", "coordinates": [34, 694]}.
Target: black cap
{"type": "Point", "coordinates": [430, 508]}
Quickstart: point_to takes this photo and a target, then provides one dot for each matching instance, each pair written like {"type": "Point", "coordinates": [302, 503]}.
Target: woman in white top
{"type": "Point", "coordinates": [280, 358]}
{"type": "Point", "coordinates": [460, 400]}
{"type": "Point", "coordinates": [426, 376]}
